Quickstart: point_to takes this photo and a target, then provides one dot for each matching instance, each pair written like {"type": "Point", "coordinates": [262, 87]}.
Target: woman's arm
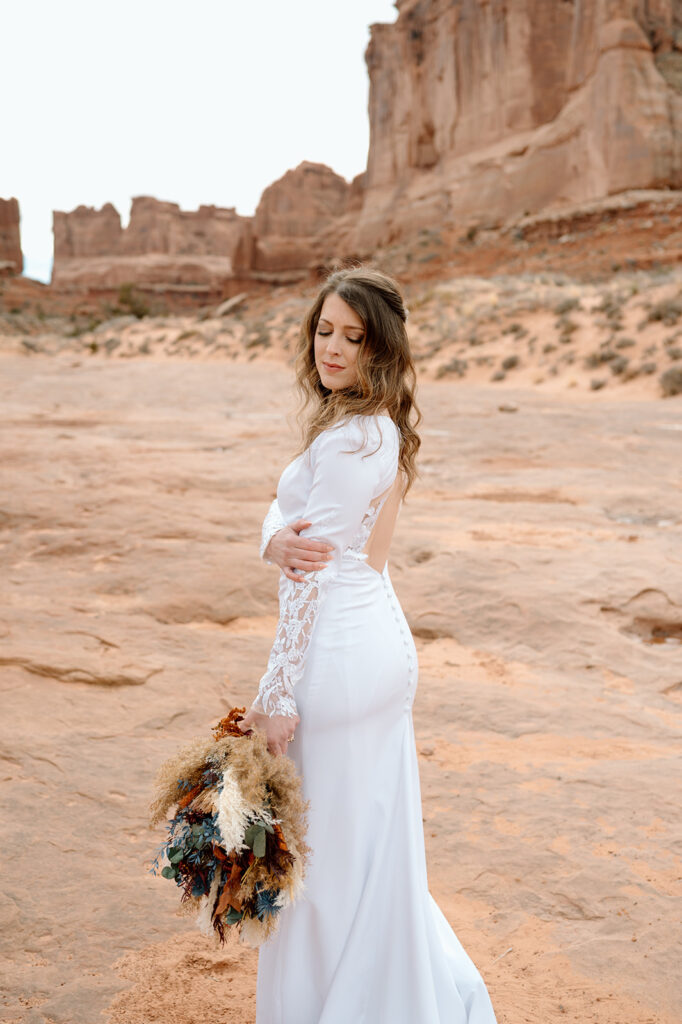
{"type": "Point", "coordinates": [295, 554]}
{"type": "Point", "coordinates": [349, 470]}
{"type": "Point", "coordinates": [282, 545]}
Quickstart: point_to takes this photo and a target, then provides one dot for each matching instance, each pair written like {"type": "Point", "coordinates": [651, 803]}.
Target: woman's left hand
{"type": "Point", "coordinates": [277, 728]}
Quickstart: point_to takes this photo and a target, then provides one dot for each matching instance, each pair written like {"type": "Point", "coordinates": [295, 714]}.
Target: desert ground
{"type": "Point", "coordinates": [539, 562]}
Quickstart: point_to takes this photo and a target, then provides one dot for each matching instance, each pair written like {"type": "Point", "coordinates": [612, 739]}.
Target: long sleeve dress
{"type": "Point", "coordinates": [366, 943]}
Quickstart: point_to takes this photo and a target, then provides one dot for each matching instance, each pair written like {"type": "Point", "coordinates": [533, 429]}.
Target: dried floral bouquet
{"type": "Point", "coordinates": [236, 845]}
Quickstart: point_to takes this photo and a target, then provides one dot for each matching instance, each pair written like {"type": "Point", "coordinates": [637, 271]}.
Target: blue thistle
{"type": "Point", "coordinates": [265, 903]}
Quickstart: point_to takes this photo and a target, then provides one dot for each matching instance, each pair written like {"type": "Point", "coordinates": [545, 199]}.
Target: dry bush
{"type": "Point", "coordinates": [671, 382]}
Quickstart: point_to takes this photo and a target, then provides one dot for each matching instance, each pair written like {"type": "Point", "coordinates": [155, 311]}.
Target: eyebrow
{"type": "Point", "coordinates": [347, 327]}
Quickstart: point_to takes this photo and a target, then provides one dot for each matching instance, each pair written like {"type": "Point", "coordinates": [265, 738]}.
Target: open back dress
{"type": "Point", "coordinates": [366, 943]}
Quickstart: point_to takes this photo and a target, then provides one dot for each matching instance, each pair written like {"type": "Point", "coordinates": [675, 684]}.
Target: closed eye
{"type": "Point", "coordinates": [326, 334]}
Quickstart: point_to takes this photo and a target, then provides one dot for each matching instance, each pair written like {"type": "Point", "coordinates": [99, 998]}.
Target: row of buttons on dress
{"type": "Point", "coordinates": [407, 641]}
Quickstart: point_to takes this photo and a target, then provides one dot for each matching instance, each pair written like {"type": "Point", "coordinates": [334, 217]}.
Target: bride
{"type": "Point", "coordinates": [366, 943]}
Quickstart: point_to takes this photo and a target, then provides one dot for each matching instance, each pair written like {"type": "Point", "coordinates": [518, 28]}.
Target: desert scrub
{"type": "Point", "coordinates": [510, 362]}
{"type": "Point", "coordinates": [671, 382]}
{"type": "Point", "coordinates": [458, 366]}
{"type": "Point", "coordinates": [625, 343]}
{"type": "Point", "coordinates": [595, 359]}
{"type": "Point", "coordinates": [667, 311]}
{"type": "Point", "coordinates": [597, 383]}
{"type": "Point", "coordinates": [618, 364]}
{"type": "Point", "coordinates": [186, 335]}
{"type": "Point", "coordinates": [566, 328]}
{"type": "Point", "coordinates": [567, 306]}
{"type": "Point", "coordinates": [549, 347]}
{"type": "Point", "coordinates": [518, 329]}
{"type": "Point", "coordinates": [258, 337]}
{"type": "Point", "coordinates": [611, 306]}
{"type": "Point", "coordinates": [131, 301]}
{"type": "Point", "coordinates": [82, 326]}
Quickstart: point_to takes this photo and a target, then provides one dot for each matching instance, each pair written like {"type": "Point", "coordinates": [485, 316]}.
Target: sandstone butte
{"type": "Point", "coordinates": [11, 259]}
{"type": "Point", "coordinates": [480, 114]}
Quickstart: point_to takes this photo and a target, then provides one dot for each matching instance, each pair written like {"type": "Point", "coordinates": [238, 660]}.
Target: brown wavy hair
{"type": "Point", "coordinates": [386, 379]}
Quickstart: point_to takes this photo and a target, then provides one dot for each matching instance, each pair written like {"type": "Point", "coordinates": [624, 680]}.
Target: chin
{"type": "Point", "coordinates": [330, 382]}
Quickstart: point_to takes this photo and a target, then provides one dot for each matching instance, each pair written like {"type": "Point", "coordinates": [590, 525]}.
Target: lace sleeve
{"type": "Point", "coordinates": [349, 470]}
{"type": "Point", "coordinates": [272, 523]}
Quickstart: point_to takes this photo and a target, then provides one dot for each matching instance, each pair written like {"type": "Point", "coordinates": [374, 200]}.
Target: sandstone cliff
{"type": "Point", "coordinates": [11, 259]}
{"type": "Point", "coordinates": [481, 111]}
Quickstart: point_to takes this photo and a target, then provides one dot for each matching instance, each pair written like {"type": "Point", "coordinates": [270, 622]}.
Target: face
{"type": "Point", "coordinates": [337, 341]}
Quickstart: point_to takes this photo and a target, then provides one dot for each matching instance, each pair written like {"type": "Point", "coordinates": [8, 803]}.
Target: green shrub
{"type": "Point", "coordinates": [671, 381]}
{"type": "Point", "coordinates": [667, 311]}
{"type": "Point", "coordinates": [131, 301]}
{"type": "Point", "coordinates": [566, 306]}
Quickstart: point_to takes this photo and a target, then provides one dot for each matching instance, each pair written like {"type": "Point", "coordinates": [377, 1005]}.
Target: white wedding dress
{"type": "Point", "coordinates": [366, 943]}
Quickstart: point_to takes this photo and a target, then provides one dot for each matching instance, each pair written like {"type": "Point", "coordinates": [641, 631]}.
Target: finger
{"type": "Point", "coordinates": [302, 555]}
{"type": "Point", "coordinates": [304, 566]}
{"type": "Point", "coordinates": [300, 524]}
{"type": "Point", "coordinates": [292, 575]}
{"type": "Point", "coordinates": [299, 568]}
{"type": "Point", "coordinates": [308, 545]}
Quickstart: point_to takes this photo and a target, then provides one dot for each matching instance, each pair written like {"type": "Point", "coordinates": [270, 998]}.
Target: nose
{"type": "Point", "coordinates": [333, 344]}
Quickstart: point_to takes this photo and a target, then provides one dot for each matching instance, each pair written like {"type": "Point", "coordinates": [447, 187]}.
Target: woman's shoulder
{"type": "Point", "coordinates": [361, 431]}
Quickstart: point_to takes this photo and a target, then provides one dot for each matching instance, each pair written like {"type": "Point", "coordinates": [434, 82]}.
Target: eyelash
{"type": "Point", "coordinates": [326, 334]}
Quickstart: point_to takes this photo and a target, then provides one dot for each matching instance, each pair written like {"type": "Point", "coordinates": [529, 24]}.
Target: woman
{"type": "Point", "coordinates": [366, 944]}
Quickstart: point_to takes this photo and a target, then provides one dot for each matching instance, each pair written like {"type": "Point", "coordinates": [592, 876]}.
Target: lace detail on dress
{"type": "Point", "coordinates": [356, 548]}
{"type": "Point", "coordinates": [299, 603]}
{"type": "Point", "coordinates": [272, 523]}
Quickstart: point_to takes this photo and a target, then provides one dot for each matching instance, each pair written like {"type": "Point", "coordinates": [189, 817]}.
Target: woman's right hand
{"type": "Point", "coordinates": [290, 551]}
{"type": "Point", "coordinates": [278, 729]}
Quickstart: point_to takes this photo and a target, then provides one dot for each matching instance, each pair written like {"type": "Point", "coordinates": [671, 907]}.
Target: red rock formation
{"type": "Point", "coordinates": [11, 259]}
{"type": "Point", "coordinates": [294, 213]}
{"type": "Point", "coordinates": [163, 247]}
{"type": "Point", "coordinates": [481, 111]}
{"type": "Point", "coordinates": [210, 251]}
{"type": "Point", "coordinates": [86, 232]}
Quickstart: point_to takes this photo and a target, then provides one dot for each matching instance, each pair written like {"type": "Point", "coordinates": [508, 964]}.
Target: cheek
{"type": "Point", "coordinates": [351, 356]}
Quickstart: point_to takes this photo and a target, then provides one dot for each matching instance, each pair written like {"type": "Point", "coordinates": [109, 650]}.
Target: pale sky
{"type": "Point", "coordinates": [203, 102]}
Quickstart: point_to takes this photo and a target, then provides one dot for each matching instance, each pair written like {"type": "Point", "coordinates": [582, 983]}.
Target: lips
{"type": "Point", "coordinates": [332, 367]}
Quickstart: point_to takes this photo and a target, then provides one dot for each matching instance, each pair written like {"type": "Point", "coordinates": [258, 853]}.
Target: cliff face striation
{"type": "Point", "coordinates": [482, 110]}
{"type": "Point", "coordinates": [11, 259]}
